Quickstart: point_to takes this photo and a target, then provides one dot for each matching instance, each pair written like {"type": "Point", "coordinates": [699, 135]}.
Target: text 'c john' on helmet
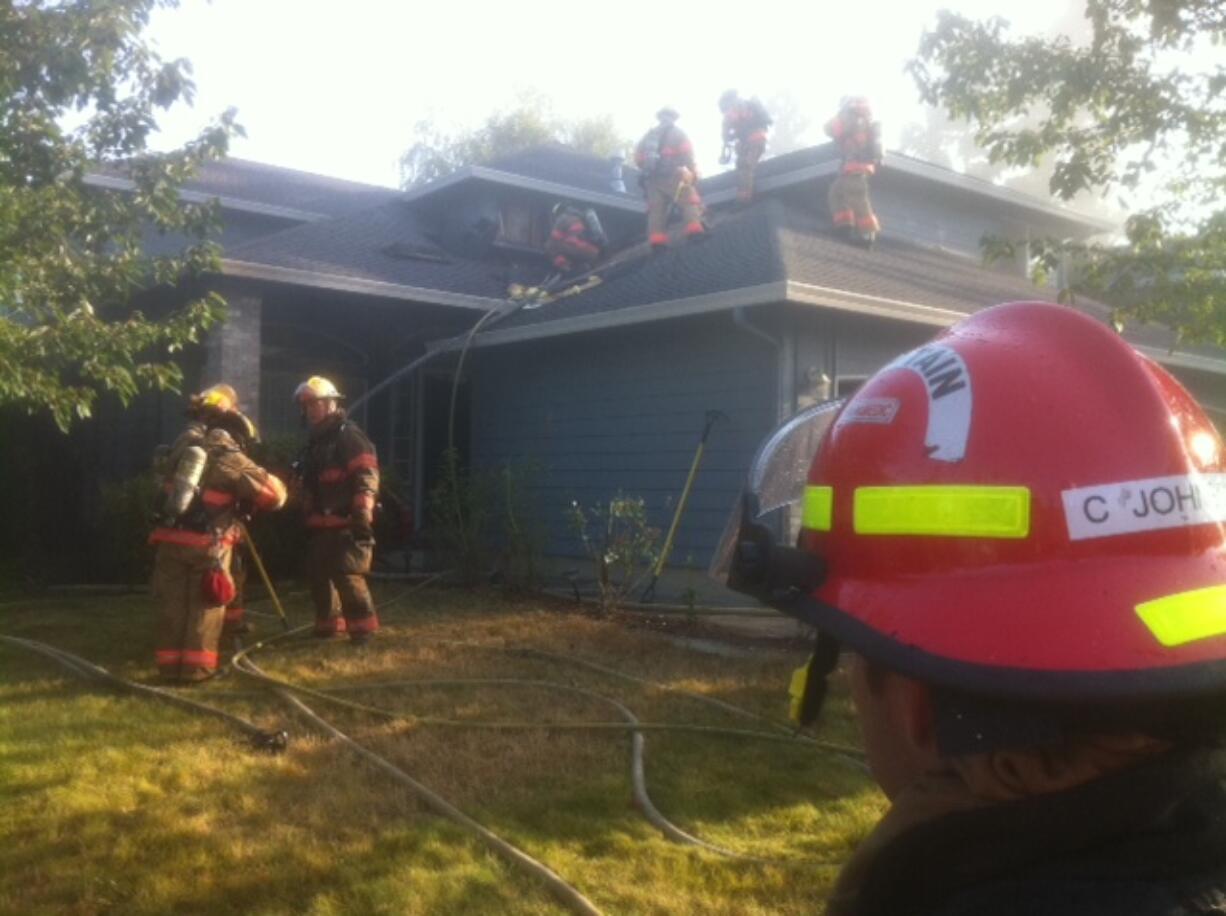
{"type": "Point", "coordinates": [1025, 508]}
{"type": "Point", "coordinates": [316, 388]}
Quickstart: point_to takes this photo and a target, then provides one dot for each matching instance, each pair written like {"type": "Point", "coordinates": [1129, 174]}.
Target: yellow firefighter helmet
{"type": "Point", "coordinates": [221, 398]}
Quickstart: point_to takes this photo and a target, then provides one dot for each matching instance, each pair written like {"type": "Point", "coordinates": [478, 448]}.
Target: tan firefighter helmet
{"type": "Point", "coordinates": [316, 388]}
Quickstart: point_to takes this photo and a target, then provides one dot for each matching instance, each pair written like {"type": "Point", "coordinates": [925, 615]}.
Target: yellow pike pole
{"type": "Point", "coordinates": [259, 565]}
{"type": "Point", "coordinates": [650, 590]}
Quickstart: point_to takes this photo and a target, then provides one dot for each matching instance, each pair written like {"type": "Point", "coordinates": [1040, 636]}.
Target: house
{"type": "Point", "coordinates": [605, 390]}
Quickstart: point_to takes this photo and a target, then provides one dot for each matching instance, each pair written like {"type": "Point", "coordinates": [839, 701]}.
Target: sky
{"type": "Point", "coordinates": [336, 87]}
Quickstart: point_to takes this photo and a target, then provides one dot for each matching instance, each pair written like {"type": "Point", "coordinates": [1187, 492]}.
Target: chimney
{"type": "Point", "coordinates": [617, 182]}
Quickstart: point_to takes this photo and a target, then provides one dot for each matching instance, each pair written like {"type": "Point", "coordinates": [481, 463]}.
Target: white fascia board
{"type": "Point", "coordinates": [342, 283]}
{"type": "Point", "coordinates": [877, 306]}
{"type": "Point", "coordinates": [762, 294]}
{"type": "Point", "coordinates": [1183, 360]}
{"type": "Point", "coordinates": [523, 182]}
{"type": "Point", "coordinates": [808, 294]}
{"type": "Point", "coordinates": [112, 183]}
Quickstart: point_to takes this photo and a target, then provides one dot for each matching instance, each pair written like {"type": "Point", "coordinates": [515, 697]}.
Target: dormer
{"type": "Point", "coordinates": [505, 205]}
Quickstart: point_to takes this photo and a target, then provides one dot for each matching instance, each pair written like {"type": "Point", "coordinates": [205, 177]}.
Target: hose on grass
{"type": "Point", "coordinates": [564, 892]}
{"type": "Point", "coordinates": [271, 741]}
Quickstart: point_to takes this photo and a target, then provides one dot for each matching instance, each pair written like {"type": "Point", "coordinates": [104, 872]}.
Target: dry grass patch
{"type": "Point", "coordinates": [116, 804]}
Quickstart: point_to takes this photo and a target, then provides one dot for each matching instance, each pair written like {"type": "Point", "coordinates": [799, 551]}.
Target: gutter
{"type": "Point", "coordinates": [637, 314]}
{"type": "Point", "coordinates": [343, 283]}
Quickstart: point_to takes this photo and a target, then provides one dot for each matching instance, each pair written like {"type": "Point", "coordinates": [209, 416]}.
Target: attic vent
{"type": "Point", "coordinates": [407, 251]}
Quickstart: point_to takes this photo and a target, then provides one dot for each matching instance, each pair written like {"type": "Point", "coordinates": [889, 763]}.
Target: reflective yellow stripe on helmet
{"type": "Point", "coordinates": [818, 507]}
{"type": "Point", "coordinates": [1187, 616]}
{"type": "Point", "coordinates": [949, 511]}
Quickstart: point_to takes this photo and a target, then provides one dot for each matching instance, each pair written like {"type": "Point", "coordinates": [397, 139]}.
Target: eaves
{"type": "Point", "coordinates": [344, 283]}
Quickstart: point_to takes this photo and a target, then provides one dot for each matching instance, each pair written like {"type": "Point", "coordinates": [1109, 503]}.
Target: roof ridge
{"type": "Point", "coordinates": [290, 170]}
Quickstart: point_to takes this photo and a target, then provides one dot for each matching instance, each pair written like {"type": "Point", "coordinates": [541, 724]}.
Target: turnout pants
{"type": "Point", "coordinates": [748, 152]}
{"type": "Point", "coordinates": [188, 629]}
{"type": "Point", "coordinates": [336, 575]}
{"type": "Point", "coordinates": [663, 191]}
{"type": "Point", "coordinates": [572, 254]}
{"type": "Point", "coordinates": [850, 206]}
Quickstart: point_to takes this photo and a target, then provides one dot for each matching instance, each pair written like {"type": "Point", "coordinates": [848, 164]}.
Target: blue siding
{"type": "Point", "coordinates": [622, 410]}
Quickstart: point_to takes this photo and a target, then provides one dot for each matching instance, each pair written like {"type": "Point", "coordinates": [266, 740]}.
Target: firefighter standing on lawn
{"type": "Point", "coordinates": [665, 159]}
{"type": "Point", "coordinates": [340, 481]}
{"type": "Point", "coordinates": [858, 137]}
{"type": "Point", "coordinates": [209, 482]}
{"type": "Point", "coordinates": [577, 239]}
{"type": "Point", "coordinates": [745, 124]}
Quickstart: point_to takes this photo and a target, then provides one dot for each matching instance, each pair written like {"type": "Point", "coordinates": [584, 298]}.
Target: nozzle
{"type": "Point", "coordinates": [271, 742]}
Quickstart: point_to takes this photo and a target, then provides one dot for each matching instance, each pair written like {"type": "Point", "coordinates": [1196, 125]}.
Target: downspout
{"type": "Point", "coordinates": [785, 384]}
{"type": "Point", "coordinates": [785, 362]}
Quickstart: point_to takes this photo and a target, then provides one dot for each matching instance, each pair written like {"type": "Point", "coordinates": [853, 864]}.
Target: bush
{"type": "Point", "coordinates": [122, 553]}
{"type": "Point", "coordinates": [621, 545]}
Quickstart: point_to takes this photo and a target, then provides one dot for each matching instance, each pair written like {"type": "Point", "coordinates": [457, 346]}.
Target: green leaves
{"type": "Point", "coordinates": [1123, 109]}
{"type": "Point", "coordinates": [436, 153]}
{"type": "Point", "coordinates": [72, 256]}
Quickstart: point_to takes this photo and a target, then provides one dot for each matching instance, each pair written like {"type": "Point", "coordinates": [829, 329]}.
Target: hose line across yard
{"type": "Point", "coordinates": [627, 722]}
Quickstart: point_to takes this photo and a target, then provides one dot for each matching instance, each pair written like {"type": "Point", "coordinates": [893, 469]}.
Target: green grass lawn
{"type": "Point", "coordinates": [117, 804]}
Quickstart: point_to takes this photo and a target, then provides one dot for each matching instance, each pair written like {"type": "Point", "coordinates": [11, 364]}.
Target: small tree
{"type": "Point", "coordinates": [1120, 109]}
{"type": "Point", "coordinates": [71, 253]}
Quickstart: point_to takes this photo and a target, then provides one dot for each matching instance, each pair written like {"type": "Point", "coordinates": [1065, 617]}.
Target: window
{"type": "Point", "coordinates": [847, 385]}
{"type": "Point", "coordinates": [523, 224]}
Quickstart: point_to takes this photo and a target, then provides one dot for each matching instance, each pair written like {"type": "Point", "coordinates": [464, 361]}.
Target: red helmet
{"type": "Point", "coordinates": [1025, 507]}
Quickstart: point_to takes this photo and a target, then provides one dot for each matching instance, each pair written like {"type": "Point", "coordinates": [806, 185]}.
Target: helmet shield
{"type": "Point", "coordinates": [777, 477]}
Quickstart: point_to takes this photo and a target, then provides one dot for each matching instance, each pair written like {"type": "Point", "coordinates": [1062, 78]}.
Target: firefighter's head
{"type": "Point", "coordinates": [213, 401]}
{"type": "Point", "coordinates": [317, 398]}
{"type": "Point", "coordinates": [667, 115]}
{"type": "Point", "coordinates": [855, 105]}
{"type": "Point", "coordinates": [728, 99]}
{"type": "Point", "coordinates": [559, 208]}
{"type": "Point", "coordinates": [1017, 533]}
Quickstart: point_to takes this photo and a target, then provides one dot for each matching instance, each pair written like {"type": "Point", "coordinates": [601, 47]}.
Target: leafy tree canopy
{"type": "Point", "coordinates": [1138, 106]}
{"type": "Point", "coordinates": [79, 91]}
{"type": "Point", "coordinates": [532, 122]}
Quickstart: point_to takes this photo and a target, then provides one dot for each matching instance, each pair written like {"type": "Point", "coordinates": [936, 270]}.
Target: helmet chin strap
{"type": "Point", "coordinates": [810, 681]}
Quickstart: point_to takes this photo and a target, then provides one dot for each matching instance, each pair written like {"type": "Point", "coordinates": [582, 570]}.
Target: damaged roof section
{"type": "Point", "coordinates": [381, 251]}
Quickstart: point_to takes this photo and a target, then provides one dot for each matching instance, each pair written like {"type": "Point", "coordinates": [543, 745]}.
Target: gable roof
{"type": "Point", "coordinates": [270, 190]}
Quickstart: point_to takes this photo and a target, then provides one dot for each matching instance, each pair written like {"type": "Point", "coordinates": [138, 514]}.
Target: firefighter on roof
{"type": "Point", "coordinates": [858, 138]}
{"type": "Point", "coordinates": [1015, 532]}
{"type": "Point", "coordinates": [745, 125]}
{"type": "Point", "coordinates": [665, 159]}
{"type": "Point", "coordinates": [577, 239]}
{"type": "Point", "coordinates": [340, 482]}
{"type": "Point", "coordinates": [208, 482]}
